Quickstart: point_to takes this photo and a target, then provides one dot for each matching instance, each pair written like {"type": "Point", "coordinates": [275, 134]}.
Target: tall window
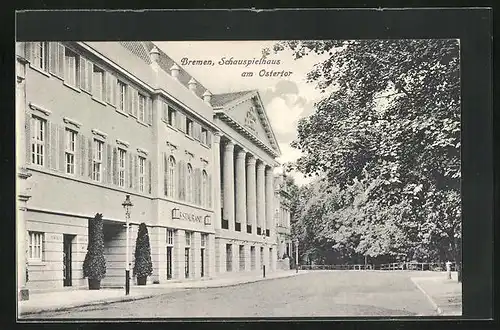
{"type": "Point", "coordinates": [35, 246]}
{"type": "Point", "coordinates": [189, 184]}
{"type": "Point", "coordinates": [142, 173]}
{"type": "Point", "coordinates": [121, 167]}
{"type": "Point", "coordinates": [70, 67]}
{"type": "Point", "coordinates": [142, 108]}
{"type": "Point", "coordinates": [70, 151]}
{"type": "Point", "coordinates": [171, 116]}
{"type": "Point", "coordinates": [189, 127]}
{"type": "Point", "coordinates": [170, 237]}
{"type": "Point", "coordinates": [171, 177]}
{"type": "Point", "coordinates": [122, 95]}
{"type": "Point", "coordinates": [98, 83]}
{"type": "Point", "coordinates": [204, 188]}
{"type": "Point", "coordinates": [38, 141]}
{"type": "Point", "coordinates": [40, 59]}
{"type": "Point", "coordinates": [189, 236]}
{"type": "Point", "coordinates": [97, 160]}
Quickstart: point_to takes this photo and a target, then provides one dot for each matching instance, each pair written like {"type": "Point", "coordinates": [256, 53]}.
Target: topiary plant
{"type": "Point", "coordinates": [94, 265]}
{"type": "Point", "coordinates": [143, 266]}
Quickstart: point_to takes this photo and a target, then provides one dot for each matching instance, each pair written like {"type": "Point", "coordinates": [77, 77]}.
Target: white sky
{"type": "Point", "coordinates": [286, 99]}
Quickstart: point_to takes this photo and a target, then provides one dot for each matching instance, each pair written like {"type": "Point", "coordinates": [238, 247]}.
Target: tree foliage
{"type": "Point", "coordinates": [94, 265]}
{"type": "Point", "coordinates": [386, 138]}
{"type": "Point", "coordinates": [143, 266]}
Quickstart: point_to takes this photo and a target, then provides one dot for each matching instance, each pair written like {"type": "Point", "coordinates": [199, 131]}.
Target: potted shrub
{"type": "Point", "coordinates": [94, 265]}
{"type": "Point", "coordinates": [143, 267]}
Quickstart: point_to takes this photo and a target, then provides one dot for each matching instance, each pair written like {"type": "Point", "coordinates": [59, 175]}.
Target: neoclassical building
{"type": "Point", "coordinates": [99, 120]}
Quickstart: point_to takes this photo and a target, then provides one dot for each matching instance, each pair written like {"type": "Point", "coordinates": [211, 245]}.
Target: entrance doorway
{"type": "Point", "coordinates": [67, 259]}
{"type": "Point", "coordinates": [202, 262]}
{"type": "Point", "coordinates": [169, 262]}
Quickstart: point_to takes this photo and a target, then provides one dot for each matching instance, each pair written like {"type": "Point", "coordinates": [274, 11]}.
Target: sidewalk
{"type": "Point", "coordinates": [444, 294]}
{"type": "Point", "coordinates": [64, 300]}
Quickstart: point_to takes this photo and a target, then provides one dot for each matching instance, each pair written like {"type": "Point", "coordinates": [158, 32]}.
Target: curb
{"type": "Point", "coordinates": [433, 303]}
{"type": "Point", "coordinates": [141, 297]}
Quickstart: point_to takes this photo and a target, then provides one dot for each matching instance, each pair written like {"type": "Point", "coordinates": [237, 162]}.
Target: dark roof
{"type": "Point", "coordinates": [218, 100]}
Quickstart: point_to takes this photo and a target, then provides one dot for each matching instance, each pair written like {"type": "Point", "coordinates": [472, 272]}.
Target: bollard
{"type": "Point", "coordinates": [448, 270]}
{"type": "Point", "coordinates": [264, 271]}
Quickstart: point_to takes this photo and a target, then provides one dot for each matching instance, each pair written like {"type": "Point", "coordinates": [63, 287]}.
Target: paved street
{"type": "Point", "coordinates": [322, 293]}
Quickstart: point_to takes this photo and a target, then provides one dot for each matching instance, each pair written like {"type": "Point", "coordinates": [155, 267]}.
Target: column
{"type": "Point", "coordinates": [216, 181]}
{"type": "Point", "coordinates": [229, 184]}
{"type": "Point", "coordinates": [269, 201]}
{"type": "Point", "coordinates": [247, 258]}
{"type": "Point", "coordinates": [178, 262]}
{"type": "Point", "coordinates": [195, 255]}
{"type": "Point", "coordinates": [251, 194]}
{"type": "Point", "coordinates": [22, 190]}
{"type": "Point", "coordinates": [241, 210]}
{"type": "Point", "coordinates": [261, 202]}
{"type": "Point", "coordinates": [210, 251]}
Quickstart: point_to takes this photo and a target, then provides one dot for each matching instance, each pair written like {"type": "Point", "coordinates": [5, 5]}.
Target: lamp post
{"type": "Point", "coordinates": [296, 255]}
{"type": "Point", "coordinates": [263, 265]}
{"type": "Point", "coordinates": [127, 205]}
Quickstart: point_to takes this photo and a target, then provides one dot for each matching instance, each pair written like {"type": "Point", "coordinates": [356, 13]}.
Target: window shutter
{"type": "Point", "coordinates": [182, 187]}
{"type": "Point", "coordinates": [27, 132]}
{"type": "Point", "coordinates": [135, 100]}
{"type": "Point", "coordinates": [130, 92]}
{"type": "Point", "coordinates": [149, 108]}
{"type": "Point", "coordinates": [48, 154]}
{"type": "Point", "coordinates": [81, 157]}
{"type": "Point", "coordinates": [136, 172]}
{"type": "Point", "coordinates": [198, 186]}
{"type": "Point", "coordinates": [149, 176]}
{"type": "Point", "coordinates": [178, 120]}
{"type": "Point", "coordinates": [113, 89]}
{"type": "Point", "coordinates": [209, 138]}
{"type": "Point", "coordinates": [53, 58]}
{"type": "Point", "coordinates": [108, 89]}
{"type": "Point", "coordinates": [165, 173]}
{"type": "Point", "coordinates": [90, 154]}
{"type": "Point", "coordinates": [109, 166]}
{"type": "Point", "coordinates": [60, 59]}
{"type": "Point", "coordinates": [115, 166]}
{"type": "Point", "coordinates": [209, 188]}
{"type": "Point", "coordinates": [164, 111]}
{"type": "Point", "coordinates": [61, 147]}
{"type": "Point", "coordinates": [29, 50]}
{"type": "Point", "coordinates": [89, 73]}
{"type": "Point", "coordinates": [104, 163]}
{"type": "Point", "coordinates": [196, 133]}
{"type": "Point", "coordinates": [53, 146]}
{"type": "Point", "coordinates": [130, 171]}
{"type": "Point", "coordinates": [83, 75]}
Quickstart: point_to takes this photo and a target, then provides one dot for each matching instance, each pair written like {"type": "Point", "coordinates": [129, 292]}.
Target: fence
{"type": "Point", "coordinates": [421, 266]}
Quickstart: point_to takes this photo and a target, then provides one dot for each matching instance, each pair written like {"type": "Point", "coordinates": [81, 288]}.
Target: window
{"type": "Point", "coordinates": [171, 116]}
{"type": "Point", "coordinates": [203, 240]}
{"type": "Point", "coordinates": [204, 188]}
{"type": "Point", "coordinates": [203, 137]}
{"type": "Point", "coordinates": [170, 237]}
{"type": "Point", "coordinates": [188, 238]}
{"type": "Point", "coordinates": [189, 180]}
{"type": "Point", "coordinates": [41, 52]}
{"type": "Point", "coordinates": [98, 83]}
{"type": "Point", "coordinates": [38, 141]}
{"type": "Point", "coordinates": [142, 173]}
{"type": "Point", "coordinates": [97, 160]}
{"type": "Point", "coordinates": [70, 67]}
{"type": "Point", "coordinates": [121, 167]}
{"type": "Point", "coordinates": [189, 127]}
{"type": "Point", "coordinates": [122, 96]}
{"type": "Point", "coordinates": [35, 246]}
{"type": "Point", "coordinates": [186, 262]}
{"type": "Point", "coordinates": [171, 177]}
{"type": "Point", "coordinates": [70, 151]}
{"type": "Point", "coordinates": [142, 108]}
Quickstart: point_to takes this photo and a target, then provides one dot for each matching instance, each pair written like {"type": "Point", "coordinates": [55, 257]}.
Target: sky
{"type": "Point", "coordinates": [286, 99]}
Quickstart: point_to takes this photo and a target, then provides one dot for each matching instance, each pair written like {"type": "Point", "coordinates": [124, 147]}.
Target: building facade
{"type": "Point", "coordinates": [99, 120]}
{"type": "Point", "coordinates": [282, 221]}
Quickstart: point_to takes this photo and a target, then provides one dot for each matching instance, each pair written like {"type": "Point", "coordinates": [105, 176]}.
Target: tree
{"type": "Point", "coordinates": [143, 266]}
{"type": "Point", "coordinates": [390, 119]}
{"type": "Point", "coordinates": [94, 265]}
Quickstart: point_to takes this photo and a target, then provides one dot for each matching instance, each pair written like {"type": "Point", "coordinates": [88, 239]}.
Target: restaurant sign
{"type": "Point", "coordinates": [191, 217]}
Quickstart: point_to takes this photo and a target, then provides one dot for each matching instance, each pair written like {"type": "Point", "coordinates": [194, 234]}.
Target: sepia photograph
{"type": "Point", "coordinates": [223, 179]}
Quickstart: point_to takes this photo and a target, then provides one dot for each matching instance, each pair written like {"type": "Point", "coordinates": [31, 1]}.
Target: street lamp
{"type": "Point", "coordinates": [127, 205]}
{"type": "Point", "coordinates": [263, 265]}
{"type": "Point", "coordinates": [296, 255]}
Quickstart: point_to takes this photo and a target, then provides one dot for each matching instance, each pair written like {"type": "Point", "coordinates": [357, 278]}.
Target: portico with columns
{"type": "Point", "coordinates": [245, 150]}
